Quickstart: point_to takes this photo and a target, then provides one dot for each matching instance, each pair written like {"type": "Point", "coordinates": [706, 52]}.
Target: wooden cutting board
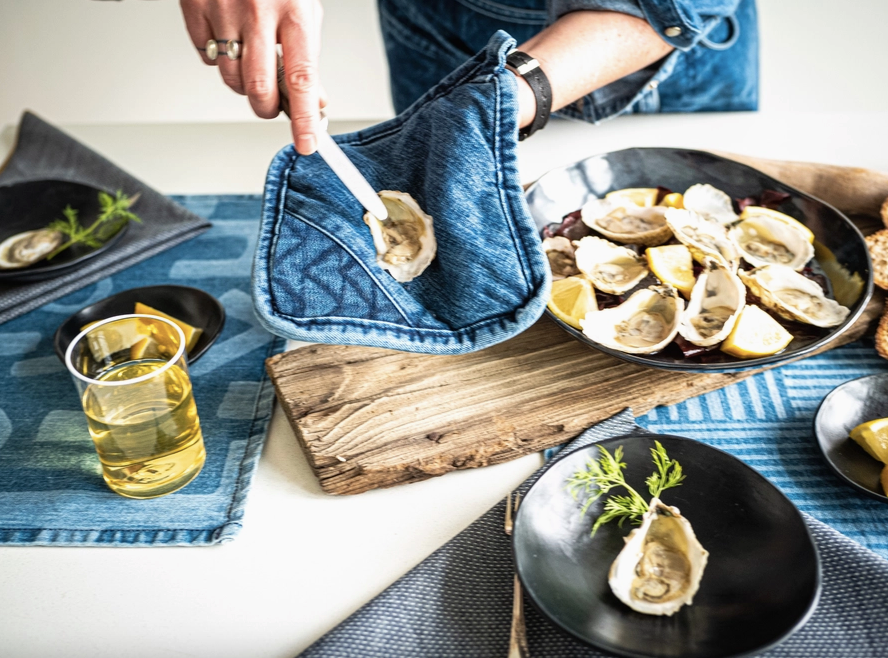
{"type": "Point", "coordinates": [369, 418]}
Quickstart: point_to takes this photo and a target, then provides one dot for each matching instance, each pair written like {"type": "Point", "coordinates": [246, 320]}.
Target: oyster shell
{"type": "Point", "coordinates": [711, 202]}
{"type": "Point", "coordinates": [763, 240]}
{"type": "Point", "coordinates": [643, 324]}
{"type": "Point", "coordinates": [560, 253]}
{"type": "Point", "coordinates": [611, 268]}
{"type": "Point", "coordinates": [716, 301]}
{"type": "Point", "coordinates": [23, 249]}
{"type": "Point", "coordinates": [405, 241]}
{"type": "Point", "coordinates": [660, 567]}
{"type": "Point", "coordinates": [793, 296]}
{"type": "Point", "coordinates": [625, 222]}
{"type": "Point", "coordinates": [703, 238]}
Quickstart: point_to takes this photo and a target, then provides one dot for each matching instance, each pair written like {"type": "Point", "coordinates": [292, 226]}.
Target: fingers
{"type": "Point", "coordinates": [300, 37]}
{"type": "Point", "coordinates": [198, 26]}
{"type": "Point", "coordinates": [259, 68]}
{"type": "Point", "coordinates": [226, 25]}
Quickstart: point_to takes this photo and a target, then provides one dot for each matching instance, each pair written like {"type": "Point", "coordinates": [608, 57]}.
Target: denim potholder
{"type": "Point", "coordinates": [315, 276]}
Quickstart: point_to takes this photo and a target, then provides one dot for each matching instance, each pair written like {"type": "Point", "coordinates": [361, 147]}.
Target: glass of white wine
{"type": "Point", "coordinates": [132, 377]}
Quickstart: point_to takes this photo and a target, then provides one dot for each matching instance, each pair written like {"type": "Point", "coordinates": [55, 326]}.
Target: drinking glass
{"type": "Point", "coordinates": [132, 377]}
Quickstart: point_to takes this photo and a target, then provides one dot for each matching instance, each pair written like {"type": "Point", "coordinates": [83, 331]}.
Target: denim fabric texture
{"type": "Point", "coordinates": [315, 276]}
{"type": "Point", "coordinates": [713, 69]}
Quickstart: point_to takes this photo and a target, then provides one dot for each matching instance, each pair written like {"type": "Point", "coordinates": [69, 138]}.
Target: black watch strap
{"type": "Point", "coordinates": [529, 69]}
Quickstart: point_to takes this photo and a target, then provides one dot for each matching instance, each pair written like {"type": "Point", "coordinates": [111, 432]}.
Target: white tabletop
{"type": "Point", "coordinates": [305, 560]}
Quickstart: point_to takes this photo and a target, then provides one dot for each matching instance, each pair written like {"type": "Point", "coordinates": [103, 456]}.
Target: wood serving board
{"type": "Point", "coordinates": [370, 418]}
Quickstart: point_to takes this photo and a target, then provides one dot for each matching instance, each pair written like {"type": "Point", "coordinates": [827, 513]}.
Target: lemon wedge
{"type": "Point", "coordinates": [751, 211]}
{"type": "Point", "coordinates": [672, 264]}
{"type": "Point", "coordinates": [755, 334]}
{"type": "Point", "coordinates": [109, 340]}
{"type": "Point", "coordinates": [873, 437]}
{"type": "Point", "coordinates": [572, 298]}
{"type": "Point", "coordinates": [640, 196]}
{"type": "Point", "coordinates": [674, 200]}
{"type": "Point", "coordinates": [192, 334]}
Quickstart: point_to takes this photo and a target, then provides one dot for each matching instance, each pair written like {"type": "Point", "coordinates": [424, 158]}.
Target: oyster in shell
{"type": "Point", "coordinates": [643, 324]}
{"type": "Point", "coordinates": [611, 268]}
{"type": "Point", "coordinates": [560, 253]}
{"type": "Point", "coordinates": [703, 238]}
{"type": "Point", "coordinates": [711, 202]}
{"type": "Point", "coordinates": [405, 241]}
{"type": "Point", "coordinates": [763, 240]}
{"type": "Point", "coordinates": [23, 249]}
{"type": "Point", "coordinates": [716, 301]}
{"type": "Point", "coordinates": [625, 222]}
{"type": "Point", "coordinates": [793, 296]}
{"type": "Point", "coordinates": [660, 567]}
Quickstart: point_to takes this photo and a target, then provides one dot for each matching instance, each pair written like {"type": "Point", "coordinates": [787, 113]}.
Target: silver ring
{"type": "Point", "coordinates": [230, 47]}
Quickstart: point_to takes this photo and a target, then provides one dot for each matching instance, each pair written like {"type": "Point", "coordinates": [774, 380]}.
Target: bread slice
{"type": "Point", "coordinates": [885, 212]}
{"type": "Point", "coordinates": [877, 243]}
{"type": "Point", "coordinates": [882, 335]}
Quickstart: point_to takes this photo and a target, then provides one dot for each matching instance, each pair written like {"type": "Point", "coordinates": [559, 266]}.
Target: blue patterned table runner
{"type": "Point", "coordinates": [51, 489]}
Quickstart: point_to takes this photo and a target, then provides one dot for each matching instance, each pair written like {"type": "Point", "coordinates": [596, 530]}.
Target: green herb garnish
{"type": "Point", "coordinates": [114, 213]}
{"type": "Point", "coordinates": [600, 476]}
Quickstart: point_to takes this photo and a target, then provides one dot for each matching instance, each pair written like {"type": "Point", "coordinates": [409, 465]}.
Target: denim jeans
{"type": "Point", "coordinates": [315, 276]}
{"type": "Point", "coordinates": [713, 68]}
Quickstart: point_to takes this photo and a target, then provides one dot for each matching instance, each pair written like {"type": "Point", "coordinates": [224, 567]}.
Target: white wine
{"type": "Point", "coordinates": [147, 433]}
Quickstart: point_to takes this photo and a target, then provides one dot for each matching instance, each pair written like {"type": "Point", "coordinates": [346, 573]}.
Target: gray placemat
{"type": "Point", "coordinates": [44, 152]}
{"type": "Point", "coordinates": [458, 602]}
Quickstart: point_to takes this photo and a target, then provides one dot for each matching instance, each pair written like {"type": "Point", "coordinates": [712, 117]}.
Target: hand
{"type": "Point", "coordinates": [260, 25]}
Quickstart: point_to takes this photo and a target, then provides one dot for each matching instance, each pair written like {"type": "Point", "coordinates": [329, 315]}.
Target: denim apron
{"type": "Point", "coordinates": [714, 67]}
{"type": "Point", "coordinates": [315, 276]}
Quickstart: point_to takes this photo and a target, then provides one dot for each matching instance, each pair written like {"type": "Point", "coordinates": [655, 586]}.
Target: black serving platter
{"type": "Point", "coordinates": [843, 409]}
{"type": "Point", "coordinates": [33, 205]}
{"type": "Point", "coordinates": [761, 583]}
{"type": "Point", "coordinates": [840, 249]}
{"type": "Point", "coordinates": [191, 305]}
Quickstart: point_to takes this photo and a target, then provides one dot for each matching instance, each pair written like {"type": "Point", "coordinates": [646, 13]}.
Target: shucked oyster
{"type": "Point", "coordinates": [660, 567]}
{"type": "Point", "coordinates": [716, 301]}
{"type": "Point", "coordinates": [623, 221]}
{"type": "Point", "coordinates": [643, 324]}
{"type": "Point", "coordinates": [704, 238]}
{"type": "Point", "coordinates": [405, 241]}
{"type": "Point", "coordinates": [611, 268]}
{"type": "Point", "coordinates": [560, 253]}
{"type": "Point", "coordinates": [711, 202]}
{"type": "Point", "coordinates": [793, 296]}
{"type": "Point", "coordinates": [27, 248]}
{"type": "Point", "coordinates": [763, 240]}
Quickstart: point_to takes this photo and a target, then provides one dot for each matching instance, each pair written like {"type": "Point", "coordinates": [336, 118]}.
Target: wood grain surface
{"type": "Point", "coordinates": [369, 418]}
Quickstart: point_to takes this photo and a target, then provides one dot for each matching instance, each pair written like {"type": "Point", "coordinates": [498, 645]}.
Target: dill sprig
{"type": "Point", "coordinates": [606, 473]}
{"type": "Point", "coordinates": [114, 212]}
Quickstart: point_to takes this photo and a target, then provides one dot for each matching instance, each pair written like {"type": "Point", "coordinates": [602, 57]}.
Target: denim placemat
{"type": "Point", "coordinates": [458, 601]}
{"type": "Point", "coordinates": [44, 152]}
{"type": "Point", "coordinates": [51, 488]}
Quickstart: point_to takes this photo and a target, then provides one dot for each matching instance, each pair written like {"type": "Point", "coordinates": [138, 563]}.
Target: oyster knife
{"type": "Point", "coordinates": [338, 161]}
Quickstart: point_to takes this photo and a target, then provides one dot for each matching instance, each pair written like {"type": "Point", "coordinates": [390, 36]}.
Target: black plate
{"type": "Point", "coordinates": [846, 407]}
{"type": "Point", "coordinates": [564, 190]}
{"type": "Point", "coordinates": [761, 583]}
{"type": "Point", "coordinates": [33, 205]}
{"type": "Point", "coordinates": [191, 305]}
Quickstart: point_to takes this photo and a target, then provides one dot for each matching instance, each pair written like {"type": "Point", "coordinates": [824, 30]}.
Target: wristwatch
{"type": "Point", "coordinates": [529, 69]}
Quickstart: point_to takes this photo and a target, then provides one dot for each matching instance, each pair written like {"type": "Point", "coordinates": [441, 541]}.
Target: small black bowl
{"type": "Point", "coordinates": [191, 305]}
{"type": "Point", "coordinates": [32, 206]}
{"type": "Point", "coordinates": [843, 409]}
{"type": "Point", "coordinates": [761, 583]}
